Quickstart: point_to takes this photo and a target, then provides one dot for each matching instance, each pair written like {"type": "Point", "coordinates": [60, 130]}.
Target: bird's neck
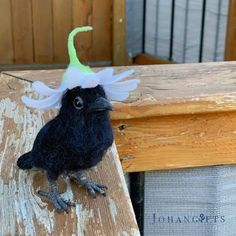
{"type": "Point", "coordinates": [85, 120]}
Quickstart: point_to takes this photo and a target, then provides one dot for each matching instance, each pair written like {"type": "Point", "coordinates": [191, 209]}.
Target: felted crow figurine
{"type": "Point", "coordinates": [77, 138]}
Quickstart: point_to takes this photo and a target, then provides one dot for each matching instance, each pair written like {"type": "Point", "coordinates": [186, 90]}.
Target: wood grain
{"type": "Point", "coordinates": [170, 142]}
{"type": "Point", "coordinates": [180, 116]}
{"type": "Point", "coordinates": [6, 41]}
{"type": "Point", "coordinates": [62, 25]}
{"type": "Point", "coordinates": [42, 31]}
{"type": "Point", "coordinates": [230, 51]}
{"type": "Point", "coordinates": [82, 15]}
{"type": "Point", "coordinates": [119, 54]}
{"type": "Point", "coordinates": [168, 89]}
{"type": "Point", "coordinates": [23, 33]}
{"type": "Point", "coordinates": [101, 41]}
{"type": "Point", "coordinates": [22, 211]}
{"type": "Point", "coordinates": [36, 31]}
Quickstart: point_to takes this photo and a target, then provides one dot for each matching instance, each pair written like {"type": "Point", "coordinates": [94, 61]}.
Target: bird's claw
{"type": "Point", "coordinates": [94, 188]}
{"type": "Point", "coordinates": [55, 198]}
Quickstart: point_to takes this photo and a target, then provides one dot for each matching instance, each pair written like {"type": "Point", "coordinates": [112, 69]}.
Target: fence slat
{"type": "Point", "coordinates": [119, 56]}
{"type": "Point", "coordinates": [42, 20]}
{"type": "Point", "coordinates": [102, 24]}
{"type": "Point", "coordinates": [230, 51]}
{"type": "Point", "coordinates": [22, 28]}
{"type": "Point", "coordinates": [82, 15]}
{"type": "Point", "coordinates": [6, 45]}
{"type": "Point", "coordinates": [62, 25]}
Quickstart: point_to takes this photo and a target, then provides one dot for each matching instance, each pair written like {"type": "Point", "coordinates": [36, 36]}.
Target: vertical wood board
{"type": "Point", "coordinates": [119, 56]}
{"type": "Point", "coordinates": [230, 51]}
{"type": "Point", "coordinates": [6, 41]}
{"type": "Point", "coordinates": [42, 29]}
{"type": "Point", "coordinates": [102, 24]}
{"type": "Point", "coordinates": [62, 25]}
{"type": "Point", "coordinates": [82, 15]}
{"type": "Point", "coordinates": [22, 31]}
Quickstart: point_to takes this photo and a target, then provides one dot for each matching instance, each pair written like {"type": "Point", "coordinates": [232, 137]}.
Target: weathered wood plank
{"type": "Point", "coordinates": [168, 89]}
{"type": "Point", "coordinates": [23, 31]}
{"type": "Point", "coordinates": [6, 40]}
{"type": "Point", "coordinates": [180, 116]}
{"type": "Point", "coordinates": [22, 212]}
{"type": "Point", "coordinates": [42, 31]}
{"type": "Point", "coordinates": [170, 142]}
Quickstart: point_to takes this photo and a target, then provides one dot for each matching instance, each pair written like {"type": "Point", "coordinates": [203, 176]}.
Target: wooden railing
{"type": "Point", "coordinates": [180, 116]}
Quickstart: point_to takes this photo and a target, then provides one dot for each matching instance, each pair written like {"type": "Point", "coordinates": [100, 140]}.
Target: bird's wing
{"type": "Point", "coordinates": [51, 135]}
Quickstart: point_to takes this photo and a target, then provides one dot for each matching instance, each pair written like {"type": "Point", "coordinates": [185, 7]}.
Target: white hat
{"type": "Point", "coordinates": [79, 75]}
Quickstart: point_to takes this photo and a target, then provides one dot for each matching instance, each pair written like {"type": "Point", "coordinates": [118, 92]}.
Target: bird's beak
{"type": "Point", "coordinates": [100, 104]}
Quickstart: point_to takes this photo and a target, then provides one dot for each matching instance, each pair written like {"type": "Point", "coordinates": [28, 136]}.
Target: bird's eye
{"type": "Point", "coordinates": [78, 103]}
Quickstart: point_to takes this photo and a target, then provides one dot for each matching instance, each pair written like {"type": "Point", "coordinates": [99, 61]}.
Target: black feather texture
{"type": "Point", "coordinates": [77, 138]}
{"type": "Point", "coordinates": [25, 161]}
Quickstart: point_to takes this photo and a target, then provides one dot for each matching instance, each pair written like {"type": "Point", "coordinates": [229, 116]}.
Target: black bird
{"type": "Point", "coordinates": [75, 140]}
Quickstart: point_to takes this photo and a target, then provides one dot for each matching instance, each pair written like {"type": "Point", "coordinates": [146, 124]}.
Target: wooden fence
{"type": "Point", "coordinates": [35, 31]}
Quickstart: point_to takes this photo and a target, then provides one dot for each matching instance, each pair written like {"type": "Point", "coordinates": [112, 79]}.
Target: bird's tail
{"type": "Point", "coordinates": [25, 161]}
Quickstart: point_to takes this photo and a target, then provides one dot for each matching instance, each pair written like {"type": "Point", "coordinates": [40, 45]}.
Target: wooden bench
{"type": "Point", "coordinates": [22, 212]}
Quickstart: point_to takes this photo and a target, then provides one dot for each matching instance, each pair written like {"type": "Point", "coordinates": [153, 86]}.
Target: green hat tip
{"type": "Point", "coordinates": [74, 61]}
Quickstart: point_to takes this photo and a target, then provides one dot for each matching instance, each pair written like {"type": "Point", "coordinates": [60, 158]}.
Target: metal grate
{"type": "Point", "coordinates": [185, 30]}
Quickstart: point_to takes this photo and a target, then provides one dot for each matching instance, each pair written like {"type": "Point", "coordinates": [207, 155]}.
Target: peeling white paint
{"type": "Point", "coordinates": [113, 209]}
{"type": "Point", "coordinates": [133, 232]}
{"type": "Point", "coordinates": [21, 209]}
{"type": "Point", "coordinates": [68, 194]}
{"type": "Point", "coordinates": [99, 216]}
{"type": "Point", "coordinates": [83, 215]}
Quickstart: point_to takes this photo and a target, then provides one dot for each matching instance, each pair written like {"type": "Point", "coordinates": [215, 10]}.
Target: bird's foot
{"type": "Point", "coordinates": [55, 198]}
{"type": "Point", "coordinates": [92, 187]}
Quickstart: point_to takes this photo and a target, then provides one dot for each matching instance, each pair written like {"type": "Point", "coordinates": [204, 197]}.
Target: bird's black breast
{"type": "Point", "coordinates": [87, 143]}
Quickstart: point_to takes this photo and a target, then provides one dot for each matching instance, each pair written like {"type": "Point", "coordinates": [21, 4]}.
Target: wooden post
{"type": "Point", "coordinates": [230, 49]}
{"type": "Point", "coordinates": [119, 54]}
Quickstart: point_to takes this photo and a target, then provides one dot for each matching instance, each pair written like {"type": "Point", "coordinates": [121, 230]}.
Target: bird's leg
{"type": "Point", "coordinates": [92, 187]}
{"type": "Point", "coordinates": [55, 198]}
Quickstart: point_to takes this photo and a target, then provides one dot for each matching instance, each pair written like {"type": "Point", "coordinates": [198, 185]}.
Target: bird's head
{"type": "Point", "coordinates": [85, 101]}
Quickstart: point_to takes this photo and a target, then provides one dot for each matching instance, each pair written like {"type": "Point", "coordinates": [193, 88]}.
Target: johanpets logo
{"type": "Point", "coordinates": [187, 219]}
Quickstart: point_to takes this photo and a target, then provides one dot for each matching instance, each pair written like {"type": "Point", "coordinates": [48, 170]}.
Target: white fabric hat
{"type": "Point", "coordinates": [79, 75]}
